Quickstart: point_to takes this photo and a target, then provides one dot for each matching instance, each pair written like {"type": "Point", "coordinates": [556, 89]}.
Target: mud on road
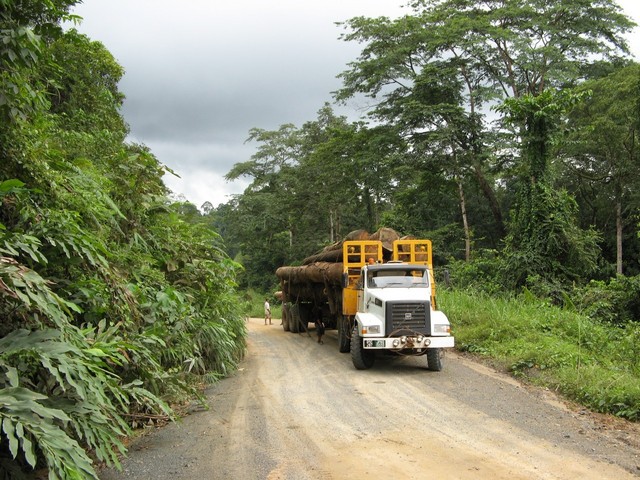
{"type": "Point", "coordinates": [298, 410]}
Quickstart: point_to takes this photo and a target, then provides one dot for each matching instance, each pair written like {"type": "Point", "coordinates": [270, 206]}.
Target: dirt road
{"type": "Point", "coordinates": [298, 410]}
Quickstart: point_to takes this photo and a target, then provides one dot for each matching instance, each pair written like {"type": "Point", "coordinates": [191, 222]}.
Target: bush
{"type": "Point", "coordinates": [616, 302]}
{"type": "Point", "coordinates": [482, 274]}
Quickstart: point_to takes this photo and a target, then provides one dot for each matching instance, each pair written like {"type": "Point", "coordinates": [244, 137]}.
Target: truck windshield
{"type": "Point", "coordinates": [405, 278]}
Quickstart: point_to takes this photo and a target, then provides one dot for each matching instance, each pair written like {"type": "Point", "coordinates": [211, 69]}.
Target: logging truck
{"type": "Point", "coordinates": [378, 293]}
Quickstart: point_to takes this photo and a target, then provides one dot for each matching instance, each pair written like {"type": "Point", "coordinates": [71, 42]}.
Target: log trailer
{"type": "Point", "coordinates": [380, 298]}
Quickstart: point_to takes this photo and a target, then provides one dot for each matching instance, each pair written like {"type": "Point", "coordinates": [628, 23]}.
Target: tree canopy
{"type": "Point", "coordinates": [467, 140]}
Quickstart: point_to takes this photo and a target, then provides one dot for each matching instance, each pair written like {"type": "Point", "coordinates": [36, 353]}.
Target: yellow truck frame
{"type": "Point", "coordinates": [357, 253]}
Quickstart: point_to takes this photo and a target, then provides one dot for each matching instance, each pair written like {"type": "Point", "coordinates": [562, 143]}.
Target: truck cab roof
{"type": "Point", "coordinates": [396, 274]}
{"type": "Point", "coordinates": [395, 265]}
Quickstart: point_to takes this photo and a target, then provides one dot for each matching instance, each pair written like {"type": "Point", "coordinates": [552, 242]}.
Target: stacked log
{"type": "Point", "coordinates": [323, 270]}
{"type": "Point", "coordinates": [387, 236]}
{"type": "Point", "coordinates": [333, 252]}
{"type": "Point", "coordinates": [318, 272]}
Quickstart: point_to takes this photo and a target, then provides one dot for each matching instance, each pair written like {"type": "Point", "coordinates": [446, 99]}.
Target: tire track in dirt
{"type": "Point", "coordinates": [297, 410]}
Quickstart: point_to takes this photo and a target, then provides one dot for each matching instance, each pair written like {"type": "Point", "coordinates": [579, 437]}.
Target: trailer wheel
{"type": "Point", "coordinates": [434, 359]}
{"type": "Point", "coordinates": [286, 314]}
{"type": "Point", "coordinates": [305, 315]}
{"type": "Point", "coordinates": [344, 341]}
{"type": "Point", "coordinates": [362, 359]}
{"type": "Point", "coordinates": [294, 318]}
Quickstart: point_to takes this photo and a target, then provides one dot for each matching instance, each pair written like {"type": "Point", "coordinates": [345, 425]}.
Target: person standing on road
{"type": "Point", "coordinates": [267, 311]}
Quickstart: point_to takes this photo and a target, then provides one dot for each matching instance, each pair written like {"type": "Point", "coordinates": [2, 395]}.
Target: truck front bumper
{"type": "Point", "coordinates": [407, 342]}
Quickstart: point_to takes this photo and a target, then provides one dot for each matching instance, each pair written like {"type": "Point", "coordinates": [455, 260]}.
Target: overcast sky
{"type": "Point", "coordinates": [199, 74]}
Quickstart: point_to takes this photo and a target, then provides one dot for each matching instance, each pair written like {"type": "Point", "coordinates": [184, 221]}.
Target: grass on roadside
{"type": "Point", "coordinates": [595, 364]}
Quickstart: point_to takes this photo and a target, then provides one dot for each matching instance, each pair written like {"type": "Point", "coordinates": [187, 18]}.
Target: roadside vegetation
{"type": "Point", "coordinates": [592, 362]}
{"type": "Point", "coordinates": [255, 304]}
{"type": "Point", "coordinates": [117, 302]}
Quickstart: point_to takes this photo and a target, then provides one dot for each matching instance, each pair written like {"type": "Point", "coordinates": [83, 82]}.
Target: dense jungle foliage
{"type": "Point", "coordinates": [505, 131]}
{"type": "Point", "coordinates": [116, 302]}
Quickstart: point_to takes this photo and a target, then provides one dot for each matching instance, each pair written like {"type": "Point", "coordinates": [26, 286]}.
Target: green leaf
{"type": "Point", "coordinates": [12, 376]}
{"type": "Point", "coordinates": [9, 429]}
{"type": "Point", "coordinates": [97, 352]}
{"type": "Point", "coordinates": [27, 448]}
{"type": "Point", "coordinates": [9, 185]}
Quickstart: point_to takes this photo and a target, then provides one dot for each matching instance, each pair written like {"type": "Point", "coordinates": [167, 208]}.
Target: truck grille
{"type": "Point", "coordinates": [408, 316]}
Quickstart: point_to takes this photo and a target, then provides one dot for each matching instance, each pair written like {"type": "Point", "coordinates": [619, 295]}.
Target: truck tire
{"type": "Point", "coordinates": [305, 315]}
{"type": "Point", "coordinates": [294, 318]}
{"type": "Point", "coordinates": [286, 314]}
{"type": "Point", "coordinates": [362, 359]}
{"type": "Point", "coordinates": [344, 340]}
{"type": "Point", "coordinates": [434, 359]}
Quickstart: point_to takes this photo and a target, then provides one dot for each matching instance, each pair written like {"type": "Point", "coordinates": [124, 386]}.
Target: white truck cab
{"type": "Point", "coordinates": [395, 307]}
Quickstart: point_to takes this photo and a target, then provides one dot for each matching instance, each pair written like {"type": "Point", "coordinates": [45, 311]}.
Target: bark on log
{"type": "Point", "coordinates": [319, 272]}
{"type": "Point", "coordinates": [320, 275]}
{"type": "Point", "coordinates": [333, 252]}
{"type": "Point", "coordinates": [328, 256]}
{"type": "Point", "coordinates": [387, 236]}
{"type": "Point", "coordinates": [303, 291]}
{"type": "Point", "coordinates": [355, 235]}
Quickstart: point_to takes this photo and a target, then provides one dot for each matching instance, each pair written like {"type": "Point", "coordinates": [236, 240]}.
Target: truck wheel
{"type": "Point", "coordinates": [344, 342]}
{"type": "Point", "coordinates": [434, 359]}
{"type": "Point", "coordinates": [362, 359]}
{"type": "Point", "coordinates": [286, 314]}
{"type": "Point", "coordinates": [294, 318]}
{"type": "Point", "coordinates": [305, 315]}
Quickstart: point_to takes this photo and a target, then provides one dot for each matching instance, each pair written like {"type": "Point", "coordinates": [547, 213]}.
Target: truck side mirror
{"type": "Point", "coordinates": [345, 280]}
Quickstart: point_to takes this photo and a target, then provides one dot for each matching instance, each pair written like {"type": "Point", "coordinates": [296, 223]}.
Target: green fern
{"type": "Point", "coordinates": [27, 424]}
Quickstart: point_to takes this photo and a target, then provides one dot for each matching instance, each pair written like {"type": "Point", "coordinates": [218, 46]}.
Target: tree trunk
{"type": "Point", "coordinates": [332, 237]}
{"type": "Point", "coordinates": [465, 222]}
{"type": "Point", "coordinates": [490, 195]}
{"type": "Point", "coordinates": [618, 237]}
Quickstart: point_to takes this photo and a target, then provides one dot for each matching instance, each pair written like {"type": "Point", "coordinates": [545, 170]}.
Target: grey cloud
{"type": "Point", "coordinates": [199, 74]}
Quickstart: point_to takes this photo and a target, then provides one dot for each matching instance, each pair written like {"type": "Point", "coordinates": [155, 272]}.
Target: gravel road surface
{"type": "Point", "coordinates": [298, 410]}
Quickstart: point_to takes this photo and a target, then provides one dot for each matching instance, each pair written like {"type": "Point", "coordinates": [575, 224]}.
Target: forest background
{"type": "Point", "coordinates": [504, 131]}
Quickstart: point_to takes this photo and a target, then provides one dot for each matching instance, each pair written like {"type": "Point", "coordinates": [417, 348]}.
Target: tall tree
{"type": "Point", "coordinates": [311, 186]}
{"type": "Point", "coordinates": [262, 226]}
{"type": "Point", "coordinates": [603, 151]}
{"type": "Point", "coordinates": [478, 53]}
{"type": "Point", "coordinates": [544, 244]}
{"type": "Point", "coordinates": [352, 174]}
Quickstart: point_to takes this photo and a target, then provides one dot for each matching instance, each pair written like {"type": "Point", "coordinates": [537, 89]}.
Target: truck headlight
{"type": "Point", "coordinates": [441, 328]}
{"type": "Point", "coordinates": [370, 329]}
